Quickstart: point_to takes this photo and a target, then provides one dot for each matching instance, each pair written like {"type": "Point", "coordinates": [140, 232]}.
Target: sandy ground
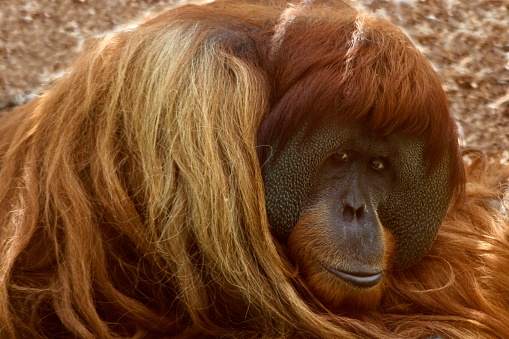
{"type": "Point", "coordinates": [466, 40]}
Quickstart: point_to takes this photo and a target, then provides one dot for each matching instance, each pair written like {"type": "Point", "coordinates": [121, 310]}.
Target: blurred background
{"type": "Point", "coordinates": [466, 40]}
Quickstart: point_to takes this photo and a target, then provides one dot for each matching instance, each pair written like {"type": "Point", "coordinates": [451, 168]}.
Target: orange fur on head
{"type": "Point", "coordinates": [132, 202]}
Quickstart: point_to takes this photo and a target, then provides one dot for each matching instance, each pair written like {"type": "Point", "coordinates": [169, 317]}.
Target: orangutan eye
{"type": "Point", "coordinates": [378, 164]}
{"type": "Point", "coordinates": [341, 156]}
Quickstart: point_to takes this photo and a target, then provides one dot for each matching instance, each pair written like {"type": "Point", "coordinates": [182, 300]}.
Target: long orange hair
{"type": "Point", "coordinates": [132, 203]}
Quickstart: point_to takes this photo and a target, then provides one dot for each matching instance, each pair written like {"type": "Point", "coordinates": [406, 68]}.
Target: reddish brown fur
{"type": "Point", "coordinates": [463, 281]}
{"type": "Point", "coordinates": [339, 68]}
{"type": "Point", "coordinates": [109, 226]}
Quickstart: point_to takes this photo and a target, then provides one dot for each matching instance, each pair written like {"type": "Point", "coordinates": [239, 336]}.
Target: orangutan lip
{"type": "Point", "coordinates": [358, 279]}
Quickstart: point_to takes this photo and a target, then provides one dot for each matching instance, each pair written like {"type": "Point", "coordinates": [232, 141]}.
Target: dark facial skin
{"type": "Point", "coordinates": [355, 196]}
{"type": "Point", "coordinates": [351, 183]}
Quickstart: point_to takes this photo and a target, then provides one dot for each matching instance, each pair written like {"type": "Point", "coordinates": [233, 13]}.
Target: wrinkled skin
{"type": "Point", "coordinates": [354, 204]}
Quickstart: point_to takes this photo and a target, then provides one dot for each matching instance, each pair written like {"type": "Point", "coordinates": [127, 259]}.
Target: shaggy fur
{"type": "Point", "coordinates": [132, 201]}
